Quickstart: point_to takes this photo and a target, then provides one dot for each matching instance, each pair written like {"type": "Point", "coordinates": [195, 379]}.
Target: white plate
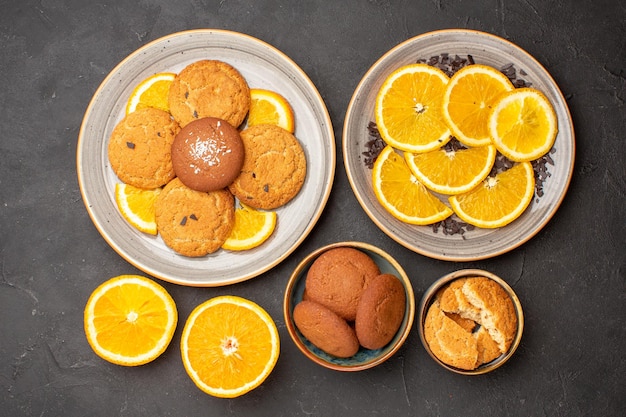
{"type": "Point", "coordinates": [478, 243]}
{"type": "Point", "coordinates": [263, 66]}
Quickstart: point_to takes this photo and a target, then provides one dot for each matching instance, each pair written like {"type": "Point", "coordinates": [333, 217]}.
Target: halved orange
{"type": "Point", "coordinates": [229, 346]}
{"type": "Point", "coordinates": [468, 100]}
{"type": "Point", "coordinates": [401, 194]}
{"type": "Point", "coordinates": [151, 92]}
{"type": "Point", "coordinates": [130, 320]}
{"type": "Point", "coordinates": [137, 206]}
{"type": "Point", "coordinates": [452, 171]}
{"type": "Point", "coordinates": [269, 107]}
{"type": "Point", "coordinates": [499, 199]}
{"type": "Point", "coordinates": [523, 124]}
{"type": "Point", "coordinates": [408, 108]}
{"type": "Point", "coordinates": [252, 228]}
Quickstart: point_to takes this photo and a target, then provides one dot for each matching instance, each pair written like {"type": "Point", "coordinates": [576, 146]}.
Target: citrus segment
{"type": "Point", "coordinates": [229, 346]}
{"type": "Point", "coordinates": [468, 99]}
{"type": "Point", "coordinates": [401, 194]}
{"type": "Point", "coordinates": [252, 228]}
{"type": "Point", "coordinates": [408, 108]}
{"type": "Point", "coordinates": [269, 107]}
{"type": "Point", "coordinates": [151, 92]}
{"type": "Point", "coordinates": [523, 124]}
{"type": "Point", "coordinates": [499, 200]}
{"type": "Point", "coordinates": [452, 171]}
{"type": "Point", "coordinates": [137, 206]}
{"type": "Point", "coordinates": [130, 320]}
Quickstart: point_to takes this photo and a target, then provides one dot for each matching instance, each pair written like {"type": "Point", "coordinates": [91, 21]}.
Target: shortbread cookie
{"type": "Point", "coordinates": [274, 168]}
{"type": "Point", "coordinates": [325, 329]}
{"type": "Point", "coordinates": [380, 311]}
{"type": "Point", "coordinates": [337, 279]}
{"type": "Point", "coordinates": [207, 154]}
{"type": "Point", "coordinates": [194, 223]}
{"type": "Point", "coordinates": [448, 341]}
{"type": "Point", "coordinates": [139, 148]}
{"type": "Point", "coordinates": [209, 88]}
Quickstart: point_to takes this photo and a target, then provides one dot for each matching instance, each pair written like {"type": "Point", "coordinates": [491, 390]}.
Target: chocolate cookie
{"type": "Point", "coordinates": [338, 278]}
{"type": "Point", "coordinates": [274, 167]}
{"type": "Point", "coordinates": [209, 88]}
{"type": "Point", "coordinates": [207, 154]}
{"type": "Point", "coordinates": [325, 329]}
{"type": "Point", "coordinates": [380, 311]}
{"type": "Point", "coordinates": [194, 223]}
{"type": "Point", "coordinates": [139, 148]}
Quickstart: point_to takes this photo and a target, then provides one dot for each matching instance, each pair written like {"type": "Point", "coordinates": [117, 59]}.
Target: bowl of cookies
{"type": "Point", "coordinates": [470, 321]}
{"type": "Point", "coordinates": [349, 306]}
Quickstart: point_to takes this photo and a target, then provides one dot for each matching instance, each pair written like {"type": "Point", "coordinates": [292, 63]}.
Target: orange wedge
{"type": "Point", "coordinates": [408, 108]}
{"type": "Point", "coordinates": [130, 320]}
{"type": "Point", "coordinates": [137, 206]}
{"type": "Point", "coordinates": [401, 194]}
{"type": "Point", "coordinates": [468, 100]}
{"type": "Point", "coordinates": [229, 346]}
{"type": "Point", "coordinates": [498, 200]}
{"type": "Point", "coordinates": [269, 107]}
{"type": "Point", "coordinates": [151, 92]}
{"type": "Point", "coordinates": [252, 228]}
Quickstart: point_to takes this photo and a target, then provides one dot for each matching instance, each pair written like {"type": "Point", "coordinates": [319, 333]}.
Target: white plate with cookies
{"type": "Point", "coordinates": [263, 66]}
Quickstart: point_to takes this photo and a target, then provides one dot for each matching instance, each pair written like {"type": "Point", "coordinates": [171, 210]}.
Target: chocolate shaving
{"type": "Point", "coordinates": [266, 188]}
{"type": "Point", "coordinates": [183, 221]}
{"type": "Point", "coordinates": [193, 217]}
{"type": "Point", "coordinates": [130, 145]}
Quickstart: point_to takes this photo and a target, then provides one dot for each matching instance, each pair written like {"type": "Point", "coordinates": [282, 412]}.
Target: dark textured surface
{"type": "Point", "coordinates": [570, 277]}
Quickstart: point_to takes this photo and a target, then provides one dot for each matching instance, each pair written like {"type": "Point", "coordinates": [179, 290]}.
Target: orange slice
{"type": "Point", "coordinates": [229, 346]}
{"type": "Point", "coordinates": [523, 125]}
{"type": "Point", "coordinates": [408, 108]}
{"type": "Point", "coordinates": [137, 206]}
{"type": "Point", "coordinates": [130, 320]}
{"type": "Point", "coordinates": [468, 99]}
{"type": "Point", "coordinates": [401, 194]}
{"type": "Point", "coordinates": [252, 228]}
{"type": "Point", "coordinates": [452, 171]}
{"type": "Point", "coordinates": [269, 107]}
{"type": "Point", "coordinates": [499, 200]}
{"type": "Point", "coordinates": [151, 92]}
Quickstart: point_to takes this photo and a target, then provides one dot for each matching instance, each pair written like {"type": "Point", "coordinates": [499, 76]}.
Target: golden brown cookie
{"type": "Point", "coordinates": [274, 167]}
{"type": "Point", "coordinates": [337, 279]}
{"type": "Point", "coordinates": [485, 302]}
{"type": "Point", "coordinates": [209, 88]}
{"type": "Point", "coordinates": [207, 154]}
{"type": "Point", "coordinates": [380, 311]}
{"type": "Point", "coordinates": [448, 341]}
{"type": "Point", "coordinates": [139, 148]}
{"type": "Point", "coordinates": [194, 223]}
{"type": "Point", "coordinates": [325, 329]}
{"type": "Point", "coordinates": [496, 307]}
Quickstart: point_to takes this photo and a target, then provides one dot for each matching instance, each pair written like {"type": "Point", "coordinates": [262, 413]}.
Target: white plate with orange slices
{"type": "Point", "coordinates": [434, 195]}
{"type": "Point", "coordinates": [265, 68]}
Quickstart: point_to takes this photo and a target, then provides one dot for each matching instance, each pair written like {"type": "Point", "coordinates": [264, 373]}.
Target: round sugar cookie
{"type": "Point", "coordinates": [209, 88]}
{"type": "Point", "coordinates": [139, 148]}
{"type": "Point", "coordinates": [274, 167]}
{"type": "Point", "coordinates": [194, 223]}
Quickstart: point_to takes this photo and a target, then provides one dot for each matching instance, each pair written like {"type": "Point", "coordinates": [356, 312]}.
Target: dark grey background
{"type": "Point", "coordinates": [570, 277]}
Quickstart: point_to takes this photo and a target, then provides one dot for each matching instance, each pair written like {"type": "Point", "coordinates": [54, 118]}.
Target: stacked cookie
{"type": "Point", "coordinates": [348, 303]}
{"type": "Point", "coordinates": [204, 156]}
{"type": "Point", "coordinates": [471, 322]}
